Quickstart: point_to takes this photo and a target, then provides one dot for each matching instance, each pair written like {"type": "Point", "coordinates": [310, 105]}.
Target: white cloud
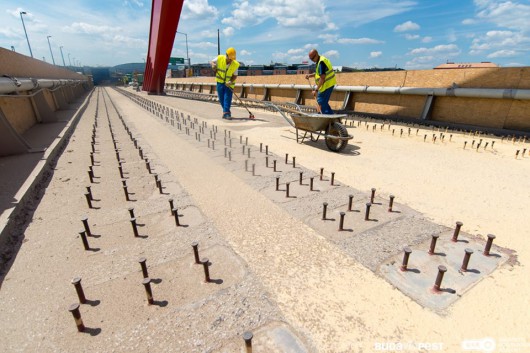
{"type": "Point", "coordinates": [286, 13]}
{"type": "Point", "coordinates": [228, 31]}
{"type": "Point", "coordinates": [507, 14]}
{"type": "Point", "coordinates": [198, 9]}
{"type": "Point", "coordinates": [245, 52]}
{"type": "Point", "coordinates": [359, 41]}
{"type": "Point", "coordinates": [426, 39]}
{"type": "Point", "coordinates": [411, 36]}
{"type": "Point", "coordinates": [448, 49]}
{"type": "Point", "coordinates": [376, 54]}
{"type": "Point", "coordinates": [86, 28]}
{"type": "Point", "coordinates": [503, 54]}
{"type": "Point", "coordinates": [407, 26]}
{"type": "Point", "coordinates": [202, 44]}
{"type": "Point", "coordinates": [469, 21]}
{"type": "Point", "coordinates": [332, 54]}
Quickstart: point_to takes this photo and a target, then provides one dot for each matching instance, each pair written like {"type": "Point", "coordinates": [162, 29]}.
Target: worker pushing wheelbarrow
{"type": "Point", "coordinates": [325, 123]}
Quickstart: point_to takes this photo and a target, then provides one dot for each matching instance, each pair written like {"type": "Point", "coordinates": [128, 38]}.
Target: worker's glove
{"type": "Point", "coordinates": [229, 83]}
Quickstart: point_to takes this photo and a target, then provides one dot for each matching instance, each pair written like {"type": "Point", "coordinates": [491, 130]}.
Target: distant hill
{"type": "Point", "coordinates": [128, 68]}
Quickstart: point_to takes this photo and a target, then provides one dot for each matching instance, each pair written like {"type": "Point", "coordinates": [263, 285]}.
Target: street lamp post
{"type": "Point", "coordinates": [62, 56]}
{"type": "Point", "coordinates": [23, 25]}
{"type": "Point", "coordinates": [187, 54]}
{"type": "Point", "coordinates": [49, 45]}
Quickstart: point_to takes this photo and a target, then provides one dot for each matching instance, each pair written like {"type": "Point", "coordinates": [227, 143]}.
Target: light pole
{"type": "Point", "coordinates": [62, 56]}
{"type": "Point", "coordinates": [187, 55]}
{"type": "Point", "coordinates": [23, 25]}
{"type": "Point", "coordinates": [49, 45]}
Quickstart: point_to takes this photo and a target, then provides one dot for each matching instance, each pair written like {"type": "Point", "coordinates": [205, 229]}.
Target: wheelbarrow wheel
{"type": "Point", "coordinates": [334, 144]}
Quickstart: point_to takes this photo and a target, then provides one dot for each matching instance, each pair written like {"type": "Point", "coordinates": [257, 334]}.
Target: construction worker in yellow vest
{"type": "Point", "coordinates": [325, 80]}
{"type": "Point", "coordinates": [225, 67]}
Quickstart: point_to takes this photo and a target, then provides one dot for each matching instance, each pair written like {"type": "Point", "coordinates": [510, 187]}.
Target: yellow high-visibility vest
{"type": "Point", "coordinates": [223, 73]}
{"type": "Point", "coordinates": [330, 75]}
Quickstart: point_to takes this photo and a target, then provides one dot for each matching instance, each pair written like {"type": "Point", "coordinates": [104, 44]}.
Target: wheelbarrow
{"type": "Point", "coordinates": [328, 126]}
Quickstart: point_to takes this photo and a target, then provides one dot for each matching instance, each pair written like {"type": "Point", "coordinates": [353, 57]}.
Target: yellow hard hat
{"type": "Point", "coordinates": [231, 53]}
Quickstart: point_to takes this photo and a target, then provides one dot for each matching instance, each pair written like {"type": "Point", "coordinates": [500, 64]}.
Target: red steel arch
{"type": "Point", "coordinates": [165, 15]}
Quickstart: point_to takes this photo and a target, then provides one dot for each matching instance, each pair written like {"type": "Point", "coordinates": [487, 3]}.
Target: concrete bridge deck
{"type": "Point", "coordinates": [277, 268]}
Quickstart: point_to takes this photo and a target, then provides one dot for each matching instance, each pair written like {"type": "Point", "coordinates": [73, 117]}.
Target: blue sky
{"type": "Point", "coordinates": [408, 34]}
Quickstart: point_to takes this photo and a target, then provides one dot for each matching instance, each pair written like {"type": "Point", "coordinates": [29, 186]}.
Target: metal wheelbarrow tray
{"type": "Point", "coordinates": [328, 126]}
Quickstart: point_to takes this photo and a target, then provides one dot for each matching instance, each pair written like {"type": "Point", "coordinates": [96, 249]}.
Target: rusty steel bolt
{"type": "Point", "coordinates": [294, 162]}
{"type": "Point", "coordinates": [277, 183]}
{"type": "Point", "coordinates": [195, 246]}
{"type": "Point", "coordinates": [93, 148]}
{"type": "Point", "coordinates": [324, 210]}
{"type": "Point", "coordinates": [134, 227]}
{"type": "Point", "coordinates": [230, 156]}
{"type": "Point", "coordinates": [89, 190]}
{"type": "Point", "coordinates": [332, 178]}
{"type": "Point", "coordinates": [246, 165]}
{"type": "Point", "coordinates": [141, 152]}
{"type": "Point", "coordinates": [261, 147]}
{"type": "Point", "coordinates": [267, 161]}
{"type": "Point", "coordinates": [171, 207]}
{"type": "Point", "coordinates": [367, 214]}
{"type": "Point", "coordinates": [91, 176]}
{"type": "Point", "coordinates": [243, 149]}
{"type": "Point", "coordinates": [391, 203]}
{"type": "Point", "coordinates": [372, 195]}
{"type": "Point", "coordinates": [143, 265]}
{"type": "Point", "coordinates": [321, 173]}
{"type": "Point", "coordinates": [247, 337]}
{"type": "Point", "coordinates": [406, 255]}
{"type": "Point", "coordinates": [84, 240]}
{"type": "Point", "coordinates": [341, 222]}
{"type": "Point", "coordinates": [274, 165]}
{"type": "Point", "coordinates": [456, 232]}
{"type": "Point", "coordinates": [287, 189]}
{"type": "Point", "coordinates": [248, 152]}
{"type": "Point", "coordinates": [433, 243]}
{"type": "Point", "coordinates": [176, 214]}
{"type": "Point", "coordinates": [85, 225]}
{"type": "Point", "coordinates": [126, 193]}
{"type": "Point", "coordinates": [131, 211]}
{"type": "Point", "coordinates": [350, 202]}
{"type": "Point", "coordinates": [465, 144]}
{"type": "Point", "coordinates": [488, 244]}
{"type": "Point", "coordinates": [120, 169]}
{"type": "Point", "coordinates": [437, 284]}
{"type": "Point", "coordinates": [124, 182]}
{"type": "Point", "coordinates": [241, 139]}
{"type": "Point", "coordinates": [467, 256]}
{"type": "Point", "coordinates": [311, 183]}
{"type": "Point", "coordinates": [92, 158]}
{"type": "Point", "coordinates": [205, 263]}
{"type": "Point", "coordinates": [213, 145]}
{"type": "Point", "coordinates": [89, 202]}
{"type": "Point", "coordinates": [160, 188]}
{"type": "Point", "coordinates": [226, 150]}
{"type": "Point", "coordinates": [148, 165]}
{"type": "Point", "coordinates": [147, 284]}
{"type": "Point", "coordinates": [118, 155]}
{"type": "Point", "coordinates": [301, 177]}
{"type": "Point", "coordinates": [74, 309]}
{"type": "Point", "coordinates": [266, 150]}
{"type": "Point", "coordinates": [79, 290]}
{"type": "Point", "coordinates": [287, 158]}
{"type": "Point", "coordinates": [253, 169]}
